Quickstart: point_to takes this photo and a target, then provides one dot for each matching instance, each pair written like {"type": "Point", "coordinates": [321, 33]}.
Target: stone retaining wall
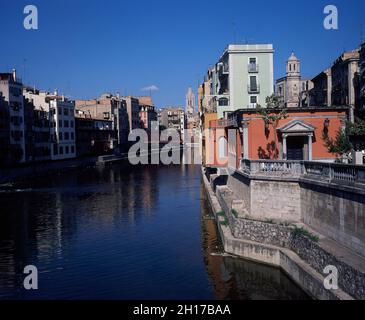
{"type": "Point", "coordinates": [336, 210]}
{"type": "Point", "coordinates": [351, 280]}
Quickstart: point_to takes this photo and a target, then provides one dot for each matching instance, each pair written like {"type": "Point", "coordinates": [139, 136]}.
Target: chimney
{"type": "Point", "coordinates": [14, 75]}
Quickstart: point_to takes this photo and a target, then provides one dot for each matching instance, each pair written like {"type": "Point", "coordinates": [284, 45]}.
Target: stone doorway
{"type": "Point", "coordinates": [295, 148]}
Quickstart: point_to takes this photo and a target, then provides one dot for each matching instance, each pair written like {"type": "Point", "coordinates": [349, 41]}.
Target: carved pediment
{"type": "Point", "coordinates": [296, 126]}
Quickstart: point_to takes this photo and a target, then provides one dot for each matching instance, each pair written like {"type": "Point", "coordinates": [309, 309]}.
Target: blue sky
{"type": "Point", "coordinates": [84, 48]}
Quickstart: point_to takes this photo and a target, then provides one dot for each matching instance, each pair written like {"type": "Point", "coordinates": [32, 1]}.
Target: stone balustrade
{"type": "Point", "coordinates": [330, 172]}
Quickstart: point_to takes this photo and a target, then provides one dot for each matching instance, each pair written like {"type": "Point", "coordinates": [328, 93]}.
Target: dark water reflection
{"type": "Point", "coordinates": [123, 232]}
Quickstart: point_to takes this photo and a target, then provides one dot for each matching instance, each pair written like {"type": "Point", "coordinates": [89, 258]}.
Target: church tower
{"type": "Point", "coordinates": [190, 102]}
{"type": "Point", "coordinates": [293, 78]}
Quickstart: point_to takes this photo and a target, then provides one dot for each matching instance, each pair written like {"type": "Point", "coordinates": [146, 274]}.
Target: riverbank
{"type": "Point", "coordinates": [287, 247]}
{"type": "Point", "coordinates": [8, 176]}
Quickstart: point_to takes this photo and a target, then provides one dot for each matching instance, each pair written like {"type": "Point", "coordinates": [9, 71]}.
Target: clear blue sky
{"type": "Point", "coordinates": [84, 48]}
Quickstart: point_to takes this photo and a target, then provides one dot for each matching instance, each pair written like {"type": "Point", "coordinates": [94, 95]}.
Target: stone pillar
{"type": "Point", "coordinates": [357, 158]}
{"type": "Point", "coordinates": [246, 154]}
{"type": "Point", "coordinates": [310, 145]}
{"type": "Point", "coordinates": [284, 148]}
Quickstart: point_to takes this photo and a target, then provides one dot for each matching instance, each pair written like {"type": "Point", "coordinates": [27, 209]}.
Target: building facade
{"type": "Point", "coordinates": [54, 117]}
{"type": "Point", "coordinates": [93, 136]}
{"type": "Point", "coordinates": [173, 118]}
{"type": "Point", "coordinates": [64, 116]}
{"type": "Point", "coordinates": [362, 77]}
{"type": "Point", "coordinates": [321, 93]}
{"type": "Point", "coordinates": [242, 78]}
{"type": "Point", "coordinates": [300, 136]}
{"type": "Point", "coordinates": [148, 116]}
{"type": "Point", "coordinates": [4, 132]}
{"type": "Point", "coordinates": [133, 109]}
{"type": "Point", "coordinates": [109, 107]}
{"type": "Point", "coordinates": [11, 90]}
{"type": "Point", "coordinates": [344, 77]}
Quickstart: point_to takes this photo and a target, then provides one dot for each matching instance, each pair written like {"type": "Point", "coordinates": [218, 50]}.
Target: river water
{"type": "Point", "coordinates": [122, 232]}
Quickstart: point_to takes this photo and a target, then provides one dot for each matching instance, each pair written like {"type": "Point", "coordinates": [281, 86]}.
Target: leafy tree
{"type": "Point", "coordinates": [357, 128]}
{"type": "Point", "coordinates": [340, 145]}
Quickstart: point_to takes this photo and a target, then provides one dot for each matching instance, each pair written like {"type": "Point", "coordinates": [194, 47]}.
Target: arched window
{"type": "Point", "coordinates": [222, 148]}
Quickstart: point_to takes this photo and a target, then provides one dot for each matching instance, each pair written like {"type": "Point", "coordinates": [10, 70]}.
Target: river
{"type": "Point", "coordinates": [123, 232]}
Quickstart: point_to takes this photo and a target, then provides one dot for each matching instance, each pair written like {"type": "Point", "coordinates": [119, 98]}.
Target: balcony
{"type": "Point", "coordinates": [253, 68]}
{"type": "Point", "coordinates": [222, 123]}
{"type": "Point", "coordinates": [225, 68]}
{"type": "Point", "coordinates": [253, 89]}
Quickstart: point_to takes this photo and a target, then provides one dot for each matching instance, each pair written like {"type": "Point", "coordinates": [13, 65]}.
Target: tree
{"type": "Point", "coordinates": [342, 143]}
{"type": "Point", "coordinates": [271, 115]}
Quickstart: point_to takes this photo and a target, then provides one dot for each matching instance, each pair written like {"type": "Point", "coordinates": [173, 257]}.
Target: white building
{"type": "Point", "coordinates": [242, 78]}
{"type": "Point", "coordinates": [62, 121]}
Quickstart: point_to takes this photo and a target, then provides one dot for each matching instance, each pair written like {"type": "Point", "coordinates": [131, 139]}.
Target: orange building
{"type": "Point", "coordinates": [298, 136]}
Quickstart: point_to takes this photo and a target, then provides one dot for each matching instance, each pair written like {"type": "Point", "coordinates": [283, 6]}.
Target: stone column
{"type": "Point", "coordinates": [245, 140]}
{"type": "Point", "coordinates": [284, 147]}
{"type": "Point", "coordinates": [310, 145]}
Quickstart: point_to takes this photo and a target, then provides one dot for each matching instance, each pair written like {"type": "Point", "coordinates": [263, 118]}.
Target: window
{"type": "Point", "coordinates": [72, 149]}
{"type": "Point", "coordinates": [253, 83]}
{"type": "Point", "coordinates": [252, 65]}
{"type": "Point", "coordinates": [222, 147]}
{"type": "Point", "coordinates": [253, 99]}
{"type": "Point", "coordinates": [67, 136]}
{"type": "Point", "coordinates": [60, 123]}
{"type": "Point", "coordinates": [65, 111]}
{"type": "Point", "coordinates": [71, 124]}
{"type": "Point", "coordinates": [60, 136]}
{"type": "Point", "coordinates": [67, 150]}
{"type": "Point", "coordinates": [72, 136]}
{"type": "Point", "coordinates": [223, 102]}
{"type": "Point", "coordinates": [61, 150]}
{"type": "Point", "coordinates": [55, 149]}
{"type": "Point", "coordinates": [66, 124]}
{"type": "Point", "coordinates": [59, 110]}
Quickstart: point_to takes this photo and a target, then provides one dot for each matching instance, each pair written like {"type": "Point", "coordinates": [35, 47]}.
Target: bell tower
{"type": "Point", "coordinates": [293, 78]}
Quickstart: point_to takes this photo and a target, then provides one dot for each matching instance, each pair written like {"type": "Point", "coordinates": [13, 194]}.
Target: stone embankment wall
{"type": "Point", "coordinates": [334, 210]}
{"type": "Point", "coordinates": [351, 280]}
{"type": "Point", "coordinates": [270, 243]}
